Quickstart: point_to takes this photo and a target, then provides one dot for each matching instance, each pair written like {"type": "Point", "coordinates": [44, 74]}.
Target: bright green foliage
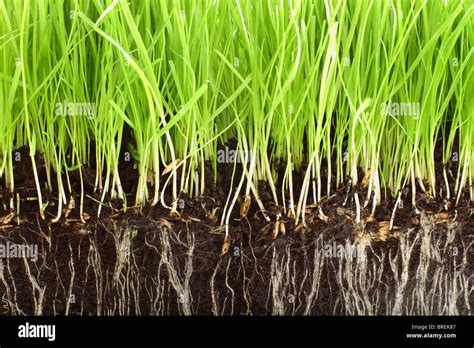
{"type": "Point", "coordinates": [324, 87]}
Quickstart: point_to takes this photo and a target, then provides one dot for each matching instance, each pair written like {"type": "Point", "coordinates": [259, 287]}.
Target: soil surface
{"type": "Point", "coordinates": [151, 262]}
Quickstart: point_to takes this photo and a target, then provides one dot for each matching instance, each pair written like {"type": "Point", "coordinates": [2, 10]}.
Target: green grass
{"type": "Point", "coordinates": [301, 83]}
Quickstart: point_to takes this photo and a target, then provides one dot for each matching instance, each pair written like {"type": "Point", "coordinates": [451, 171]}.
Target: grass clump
{"type": "Point", "coordinates": [327, 88]}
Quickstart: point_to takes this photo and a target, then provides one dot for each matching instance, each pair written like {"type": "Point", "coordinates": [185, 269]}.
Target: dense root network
{"type": "Point", "coordinates": [426, 271]}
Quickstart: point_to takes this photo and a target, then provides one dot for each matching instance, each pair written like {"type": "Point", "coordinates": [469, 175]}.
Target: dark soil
{"type": "Point", "coordinates": [154, 263]}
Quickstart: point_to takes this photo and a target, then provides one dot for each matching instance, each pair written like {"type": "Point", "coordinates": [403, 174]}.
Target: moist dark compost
{"type": "Point", "coordinates": [151, 262]}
